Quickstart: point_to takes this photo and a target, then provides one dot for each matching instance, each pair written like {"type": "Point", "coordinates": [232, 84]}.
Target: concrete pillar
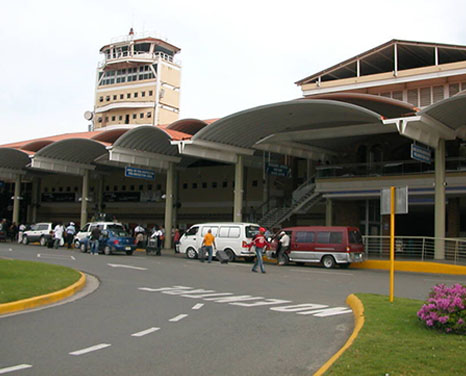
{"type": "Point", "coordinates": [238, 192]}
{"type": "Point", "coordinates": [99, 195]}
{"type": "Point", "coordinates": [328, 212]}
{"type": "Point", "coordinates": [84, 198]}
{"type": "Point", "coordinates": [440, 201]}
{"type": "Point", "coordinates": [35, 198]}
{"type": "Point", "coordinates": [16, 199]}
{"type": "Point", "coordinates": [169, 205]}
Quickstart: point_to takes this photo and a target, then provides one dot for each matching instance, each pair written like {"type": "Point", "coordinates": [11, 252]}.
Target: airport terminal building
{"type": "Point", "coordinates": [391, 116]}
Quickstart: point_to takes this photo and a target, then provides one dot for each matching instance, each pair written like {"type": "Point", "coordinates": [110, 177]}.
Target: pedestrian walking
{"type": "Point", "coordinates": [21, 229]}
{"type": "Point", "coordinates": [58, 235]}
{"type": "Point", "coordinates": [157, 235]}
{"type": "Point", "coordinates": [70, 231]}
{"type": "Point", "coordinates": [176, 239]}
{"type": "Point", "coordinates": [283, 245]}
{"type": "Point", "coordinates": [259, 242]}
{"type": "Point", "coordinates": [208, 243]}
{"type": "Point", "coordinates": [94, 240]}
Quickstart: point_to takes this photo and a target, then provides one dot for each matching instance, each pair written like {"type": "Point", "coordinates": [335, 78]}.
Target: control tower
{"type": "Point", "coordinates": [138, 83]}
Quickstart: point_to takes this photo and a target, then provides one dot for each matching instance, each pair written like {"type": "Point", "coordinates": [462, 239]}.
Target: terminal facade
{"type": "Point", "coordinates": [319, 159]}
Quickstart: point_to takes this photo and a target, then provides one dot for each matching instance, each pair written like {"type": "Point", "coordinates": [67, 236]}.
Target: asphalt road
{"type": "Point", "coordinates": [172, 316]}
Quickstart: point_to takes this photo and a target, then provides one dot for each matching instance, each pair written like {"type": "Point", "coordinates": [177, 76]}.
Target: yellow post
{"type": "Point", "coordinates": [392, 242]}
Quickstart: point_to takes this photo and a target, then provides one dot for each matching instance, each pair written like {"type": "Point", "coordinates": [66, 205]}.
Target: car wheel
{"type": "Point", "coordinates": [328, 262]}
{"type": "Point", "coordinates": [231, 255]}
{"type": "Point", "coordinates": [43, 241]}
{"type": "Point", "coordinates": [191, 253]}
{"type": "Point", "coordinates": [25, 240]}
{"type": "Point", "coordinates": [83, 248]}
{"type": "Point", "coordinates": [76, 244]}
{"type": "Point", "coordinates": [107, 250]}
{"type": "Point", "coordinates": [129, 253]}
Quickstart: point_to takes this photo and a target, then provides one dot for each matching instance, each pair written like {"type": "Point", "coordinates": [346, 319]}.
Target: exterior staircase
{"type": "Point", "coordinates": [303, 199]}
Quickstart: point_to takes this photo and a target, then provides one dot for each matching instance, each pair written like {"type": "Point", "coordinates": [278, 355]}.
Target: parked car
{"type": "Point", "coordinates": [38, 232]}
{"type": "Point", "coordinates": [86, 230]}
{"type": "Point", "coordinates": [230, 237]}
{"type": "Point", "coordinates": [330, 245]}
{"type": "Point", "coordinates": [111, 241]}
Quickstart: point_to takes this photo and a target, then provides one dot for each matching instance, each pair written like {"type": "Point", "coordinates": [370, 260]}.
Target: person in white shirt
{"type": "Point", "coordinates": [284, 244]}
{"type": "Point", "coordinates": [57, 235]}
{"type": "Point", "coordinates": [70, 232]}
{"type": "Point", "coordinates": [158, 236]}
{"type": "Point", "coordinates": [21, 230]}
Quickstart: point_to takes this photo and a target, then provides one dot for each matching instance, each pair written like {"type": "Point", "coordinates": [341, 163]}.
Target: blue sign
{"type": "Point", "coordinates": [421, 153]}
{"type": "Point", "coordinates": [139, 173]}
{"type": "Point", "coordinates": [277, 170]}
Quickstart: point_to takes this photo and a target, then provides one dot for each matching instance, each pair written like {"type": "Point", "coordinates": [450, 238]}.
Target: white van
{"type": "Point", "coordinates": [230, 237]}
{"type": "Point", "coordinates": [88, 227]}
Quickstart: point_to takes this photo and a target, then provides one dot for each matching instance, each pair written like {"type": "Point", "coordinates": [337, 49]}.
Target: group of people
{"type": "Point", "coordinates": [260, 244]}
{"type": "Point", "coordinates": [62, 235]}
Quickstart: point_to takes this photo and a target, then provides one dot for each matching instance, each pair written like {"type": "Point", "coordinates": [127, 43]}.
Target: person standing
{"type": "Point", "coordinates": [21, 228]}
{"type": "Point", "coordinates": [158, 236]}
{"type": "Point", "coordinates": [176, 239]}
{"type": "Point", "coordinates": [208, 243]}
{"type": "Point", "coordinates": [259, 242]}
{"type": "Point", "coordinates": [57, 235]}
{"type": "Point", "coordinates": [283, 245]}
{"type": "Point", "coordinates": [94, 240]}
{"type": "Point", "coordinates": [70, 232]}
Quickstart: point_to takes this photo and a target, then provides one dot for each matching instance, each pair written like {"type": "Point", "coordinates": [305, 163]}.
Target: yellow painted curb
{"type": "Point", "coordinates": [412, 266]}
{"type": "Point", "coordinates": [37, 301]}
{"type": "Point", "coordinates": [358, 312]}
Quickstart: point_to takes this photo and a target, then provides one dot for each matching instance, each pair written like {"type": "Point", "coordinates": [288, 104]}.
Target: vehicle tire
{"type": "Point", "coordinates": [43, 241]}
{"type": "Point", "coordinates": [83, 248]}
{"type": "Point", "coordinates": [328, 262]}
{"type": "Point", "coordinates": [25, 240]}
{"type": "Point", "coordinates": [191, 253]}
{"type": "Point", "coordinates": [129, 253]}
{"type": "Point", "coordinates": [76, 244]}
{"type": "Point", "coordinates": [107, 250]}
{"type": "Point", "coordinates": [231, 254]}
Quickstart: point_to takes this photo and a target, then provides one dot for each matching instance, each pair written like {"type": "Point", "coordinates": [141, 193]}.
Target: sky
{"type": "Point", "coordinates": [235, 55]}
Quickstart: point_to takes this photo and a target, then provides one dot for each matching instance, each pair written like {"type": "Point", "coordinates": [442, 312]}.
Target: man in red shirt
{"type": "Point", "coordinates": [259, 242]}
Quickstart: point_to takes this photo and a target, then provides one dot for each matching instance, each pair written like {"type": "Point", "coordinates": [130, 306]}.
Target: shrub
{"type": "Point", "coordinates": [445, 309]}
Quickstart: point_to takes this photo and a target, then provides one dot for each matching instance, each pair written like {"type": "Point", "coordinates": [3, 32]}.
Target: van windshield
{"type": "Point", "coordinates": [354, 237]}
{"type": "Point", "coordinates": [251, 231]}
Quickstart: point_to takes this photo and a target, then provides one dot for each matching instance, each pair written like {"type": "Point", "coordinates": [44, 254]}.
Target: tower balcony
{"type": "Point", "coordinates": [122, 59]}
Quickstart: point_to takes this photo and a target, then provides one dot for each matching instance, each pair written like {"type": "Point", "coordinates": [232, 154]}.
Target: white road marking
{"type": "Point", "coordinates": [50, 256]}
{"type": "Point", "coordinates": [144, 332]}
{"type": "Point", "coordinates": [15, 368]}
{"type": "Point", "coordinates": [178, 318]}
{"type": "Point", "coordinates": [126, 266]}
{"type": "Point", "coordinates": [10, 249]}
{"type": "Point", "coordinates": [90, 349]}
{"type": "Point", "coordinates": [198, 306]}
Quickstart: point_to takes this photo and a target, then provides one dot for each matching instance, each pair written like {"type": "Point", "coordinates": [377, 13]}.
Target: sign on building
{"type": "Point", "coordinates": [421, 153]}
{"type": "Point", "coordinates": [139, 173]}
{"type": "Point", "coordinates": [401, 200]}
{"type": "Point", "coordinates": [276, 169]}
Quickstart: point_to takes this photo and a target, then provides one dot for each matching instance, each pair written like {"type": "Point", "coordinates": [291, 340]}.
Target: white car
{"type": "Point", "coordinates": [38, 232]}
{"type": "Point", "coordinates": [88, 227]}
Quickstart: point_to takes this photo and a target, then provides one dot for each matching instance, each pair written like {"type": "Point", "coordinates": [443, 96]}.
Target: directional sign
{"type": "Point", "coordinates": [421, 153]}
{"type": "Point", "coordinates": [139, 173]}
{"type": "Point", "coordinates": [277, 170]}
{"type": "Point", "coordinates": [401, 200]}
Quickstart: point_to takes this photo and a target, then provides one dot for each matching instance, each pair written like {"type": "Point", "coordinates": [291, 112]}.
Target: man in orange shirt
{"type": "Point", "coordinates": [208, 243]}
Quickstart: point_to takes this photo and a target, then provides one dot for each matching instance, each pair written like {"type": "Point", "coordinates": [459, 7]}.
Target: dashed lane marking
{"type": "Point", "coordinates": [126, 266]}
{"type": "Point", "coordinates": [90, 349]}
{"type": "Point", "coordinates": [57, 257]}
{"type": "Point", "coordinates": [145, 332]}
{"type": "Point", "coordinates": [178, 318]}
{"type": "Point", "coordinates": [19, 367]}
{"type": "Point", "coordinates": [198, 306]}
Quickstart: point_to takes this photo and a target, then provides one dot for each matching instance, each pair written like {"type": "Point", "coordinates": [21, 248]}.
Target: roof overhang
{"type": "Point", "coordinates": [140, 158]}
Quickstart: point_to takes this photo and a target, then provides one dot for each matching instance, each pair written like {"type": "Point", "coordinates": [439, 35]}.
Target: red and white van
{"type": "Point", "coordinates": [328, 245]}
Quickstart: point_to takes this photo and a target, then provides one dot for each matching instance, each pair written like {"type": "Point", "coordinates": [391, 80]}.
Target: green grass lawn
{"type": "Point", "coordinates": [393, 341]}
{"type": "Point", "coordinates": [25, 279]}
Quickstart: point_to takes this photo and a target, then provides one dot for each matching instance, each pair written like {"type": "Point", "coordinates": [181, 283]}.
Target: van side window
{"type": "Point", "coordinates": [192, 231]}
{"type": "Point", "coordinates": [229, 232]}
{"type": "Point", "coordinates": [252, 231]}
{"type": "Point", "coordinates": [304, 237]}
{"type": "Point", "coordinates": [354, 237]}
{"type": "Point", "coordinates": [213, 228]}
{"type": "Point", "coordinates": [327, 237]}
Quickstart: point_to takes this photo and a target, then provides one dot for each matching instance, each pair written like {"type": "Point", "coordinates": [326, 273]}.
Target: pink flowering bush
{"type": "Point", "coordinates": [445, 309]}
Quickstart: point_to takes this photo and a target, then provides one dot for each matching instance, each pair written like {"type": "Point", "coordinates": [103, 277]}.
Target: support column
{"type": "Point", "coordinates": [100, 194]}
{"type": "Point", "coordinates": [328, 212]}
{"type": "Point", "coordinates": [169, 205]}
{"type": "Point", "coordinates": [16, 199]}
{"type": "Point", "coordinates": [440, 201]}
{"type": "Point", "coordinates": [85, 192]}
{"type": "Point", "coordinates": [238, 191]}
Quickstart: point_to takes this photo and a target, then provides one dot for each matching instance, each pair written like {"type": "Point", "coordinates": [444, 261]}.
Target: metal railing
{"type": "Point", "coordinates": [416, 248]}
